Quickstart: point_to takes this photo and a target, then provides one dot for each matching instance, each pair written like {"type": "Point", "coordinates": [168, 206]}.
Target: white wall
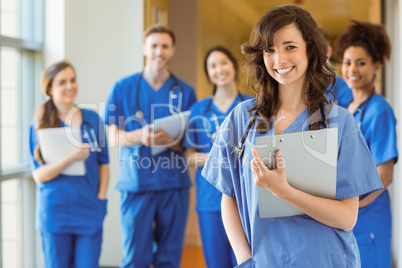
{"type": "Point", "coordinates": [103, 40]}
{"type": "Point", "coordinates": [393, 81]}
{"type": "Point", "coordinates": [53, 31]}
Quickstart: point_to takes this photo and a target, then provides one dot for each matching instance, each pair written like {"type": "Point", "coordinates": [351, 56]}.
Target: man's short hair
{"type": "Point", "coordinates": [160, 29]}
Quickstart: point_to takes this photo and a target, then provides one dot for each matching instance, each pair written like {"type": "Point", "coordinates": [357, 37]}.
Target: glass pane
{"type": "Point", "coordinates": [10, 223]}
{"type": "Point", "coordinates": [10, 18]}
{"type": "Point", "coordinates": [10, 123]}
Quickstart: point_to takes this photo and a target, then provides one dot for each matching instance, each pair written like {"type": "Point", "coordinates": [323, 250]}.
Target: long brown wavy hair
{"type": "Point", "coordinates": [47, 115]}
{"type": "Point", "coordinates": [319, 74]}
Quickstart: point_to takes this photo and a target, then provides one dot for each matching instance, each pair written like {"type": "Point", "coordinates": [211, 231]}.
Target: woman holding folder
{"type": "Point", "coordinates": [363, 48]}
{"type": "Point", "coordinates": [221, 68]}
{"type": "Point", "coordinates": [286, 66]}
{"type": "Point", "coordinates": [70, 209]}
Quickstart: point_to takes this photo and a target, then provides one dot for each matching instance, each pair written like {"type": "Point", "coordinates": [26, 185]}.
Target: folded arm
{"type": "Point", "coordinates": [50, 171]}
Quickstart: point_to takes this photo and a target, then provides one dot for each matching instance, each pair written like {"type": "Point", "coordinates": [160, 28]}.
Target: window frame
{"type": "Point", "coordinates": [30, 44]}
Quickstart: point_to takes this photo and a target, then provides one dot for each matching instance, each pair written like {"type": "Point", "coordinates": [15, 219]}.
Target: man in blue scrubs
{"type": "Point", "coordinates": [154, 188]}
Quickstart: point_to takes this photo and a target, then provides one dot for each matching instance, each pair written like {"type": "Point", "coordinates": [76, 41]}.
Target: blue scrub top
{"type": "Point", "coordinates": [343, 93]}
{"type": "Point", "coordinates": [296, 241]}
{"type": "Point", "coordinates": [139, 172]}
{"type": "Point", "coordinates": [378, 126]}
{"type": "Point", "coordinates": [200, 136]}
{"type": "Point", "coordinates": [70, 204]}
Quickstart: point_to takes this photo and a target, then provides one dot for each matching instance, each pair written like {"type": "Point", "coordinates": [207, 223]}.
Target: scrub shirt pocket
{"type": "Point", "coordinates": [53, 206]}
{"type": "Point", "coordinates": [249, 263]}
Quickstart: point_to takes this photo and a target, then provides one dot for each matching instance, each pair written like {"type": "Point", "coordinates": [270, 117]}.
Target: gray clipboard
{"type": "Point", "coordinates": [310, 159]}
{"type": "Point", "coordinates": [174, 125]}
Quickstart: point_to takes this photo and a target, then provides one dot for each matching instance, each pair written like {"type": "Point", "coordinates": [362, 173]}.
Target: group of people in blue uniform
{"type": "Point", "coordinates": [287, 67]}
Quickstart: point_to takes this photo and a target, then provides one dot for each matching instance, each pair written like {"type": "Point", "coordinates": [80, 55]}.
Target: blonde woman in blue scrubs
{"type": "Point", "coordinates": [363, 48]}
{"type": "Point", "coordinates": [286, 66]}
{"type": "Point", "coordinates": [221, 69]}
{"type": "Point", "coordinates": [69, 209]}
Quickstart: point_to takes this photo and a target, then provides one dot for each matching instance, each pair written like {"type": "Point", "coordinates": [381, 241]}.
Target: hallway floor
{"type": "Point", "coordinates": [192, 257]}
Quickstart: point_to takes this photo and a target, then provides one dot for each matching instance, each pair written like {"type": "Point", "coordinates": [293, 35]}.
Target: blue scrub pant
{"type": "Point", "coordinates": [373, 233]}
{"type": "Point", "coordinates": [217, 250]}
{"type": "Point", "coordinates": [167, 210]}
{"type": "Point", "coordinates": [71, 250]}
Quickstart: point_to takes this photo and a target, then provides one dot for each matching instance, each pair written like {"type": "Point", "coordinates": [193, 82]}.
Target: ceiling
{"type": "Point", "coordinates": [332, 15]}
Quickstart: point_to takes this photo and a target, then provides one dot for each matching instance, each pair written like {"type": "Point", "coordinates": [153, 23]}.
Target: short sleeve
{"type": "Point", "coordinates": [356, 171]}
{"type": "Point", "coordinates": [190, 139]}
{"type": "Point", "coordinates": [33, 143]}
{"type": "Point", "coordinates": [221, 168]}
{"type": "Point", "coordinates": [383, 145]}
{"type": "Point", "coordinates": [344, 94]}
{"type": "Point", "coordinates": [113, 107]}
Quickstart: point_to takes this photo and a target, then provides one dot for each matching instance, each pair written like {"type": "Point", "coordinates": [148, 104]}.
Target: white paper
{"type": "Point", "coordinates": [55, 143]}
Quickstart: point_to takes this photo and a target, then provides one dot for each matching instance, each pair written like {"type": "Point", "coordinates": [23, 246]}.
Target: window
{"type": "Point", "coordinates": [10, 220]}
{"type": "Point", "coordinates": [21, 27]}
{"type": "Point", "coordinates": [10, 106]}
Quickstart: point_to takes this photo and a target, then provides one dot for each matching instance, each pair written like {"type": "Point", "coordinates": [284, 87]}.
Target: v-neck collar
{"type": "Point", "coordinates": [297, 125]}
{"type": "Point", "coordinates": [219, 112]}
{"type": "Point", "coordinates": [164, 87]}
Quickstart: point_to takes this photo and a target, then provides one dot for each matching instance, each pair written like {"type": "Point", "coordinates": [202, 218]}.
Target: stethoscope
{"type": "Point", "coordinates": [363, 111]}
{"type": "Point", "coordinates": [172, 96]}
{"type": "Point", "coordinates": [214, 118]}
{"type": "Point", "coordinates": [239, 148]}
{"type": "Point", "coordinates": [92, 140]}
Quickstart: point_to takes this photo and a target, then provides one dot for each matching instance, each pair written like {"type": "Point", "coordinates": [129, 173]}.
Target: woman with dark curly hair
{"type": "Point", "coordinates": [363, 48]}
{"type": "Point", "coordinates": [286, 66]}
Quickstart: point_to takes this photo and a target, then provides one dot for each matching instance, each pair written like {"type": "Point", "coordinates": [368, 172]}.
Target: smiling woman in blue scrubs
{"type": "Point", "coordinates": [286, 65]}
{"type": "Point", "coordinates": [363, 48]}
{"type": "Point", "coordinates": [70, 209]}
{"type": "Point", "coordinates": [221, 69]}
